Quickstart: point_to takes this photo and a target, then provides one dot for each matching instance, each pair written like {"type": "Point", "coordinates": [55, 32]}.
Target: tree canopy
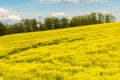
{"type": "Point", "coordinates": [30, 25]}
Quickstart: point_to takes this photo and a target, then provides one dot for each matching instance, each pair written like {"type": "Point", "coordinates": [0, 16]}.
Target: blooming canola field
{"type": "Point", "coordinates": [80, 53]}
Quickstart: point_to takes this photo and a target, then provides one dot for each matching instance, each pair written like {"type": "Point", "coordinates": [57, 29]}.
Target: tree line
{"type": "Point", "coordinates": [30, 25]}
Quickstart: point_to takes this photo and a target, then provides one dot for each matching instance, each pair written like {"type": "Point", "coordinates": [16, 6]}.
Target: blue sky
{"type": "Point", "coordinates": [46, 8]}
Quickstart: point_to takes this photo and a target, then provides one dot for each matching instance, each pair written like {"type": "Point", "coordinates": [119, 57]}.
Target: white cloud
{"type": "Point", "coordinates": [73, 1]}
{"type": "Point", "coordinates": [8, 15]}
{"type": "Point", "coordinates": [58, 14]}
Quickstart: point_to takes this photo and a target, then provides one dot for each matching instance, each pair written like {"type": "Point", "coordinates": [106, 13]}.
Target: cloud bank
{"type": "Point", "coordinates": [74, 1]}
{"type": "Point", "coordinates": [8, 16]}
{"type": "Point", "coordinates": [58, 14]}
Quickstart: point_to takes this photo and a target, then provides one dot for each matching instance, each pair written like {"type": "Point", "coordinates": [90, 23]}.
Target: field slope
{"type": "Point", "coordinates": [79, 53]}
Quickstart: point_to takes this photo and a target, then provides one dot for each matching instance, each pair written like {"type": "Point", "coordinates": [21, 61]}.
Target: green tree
{"type": "Point", "coordinates": [41, 26]}
{"type": "Point", "coordinates": [56, 23]}
{"type": "Point", "coordinates": [74, 21]}
{"type": "Point", "coordinates": [48, 23]}
{"type": "Point", "coordinates": [93, 18]}
{"type": "Point", "coordinates": [18, 28]}
{"type": "Point", "coordinates": [100, 18]}
{"type": "Point", "coordinates": [2, 29]}
{"type": "Point", "coordinates": [26, 24]}
{"type": "Point", "coordinates": [109, 18]}
{"type": "Point", "coordinates": [34, 25]}
{"type": "Point", "coordinates": [64, 22]}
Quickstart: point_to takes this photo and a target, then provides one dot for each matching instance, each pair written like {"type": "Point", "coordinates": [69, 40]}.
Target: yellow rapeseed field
{"type": "Point", "coordinates": [79, 53]}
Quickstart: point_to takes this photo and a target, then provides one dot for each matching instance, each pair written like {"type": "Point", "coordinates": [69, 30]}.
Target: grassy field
{"type": "Point", "coordinates": [79, 53]}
